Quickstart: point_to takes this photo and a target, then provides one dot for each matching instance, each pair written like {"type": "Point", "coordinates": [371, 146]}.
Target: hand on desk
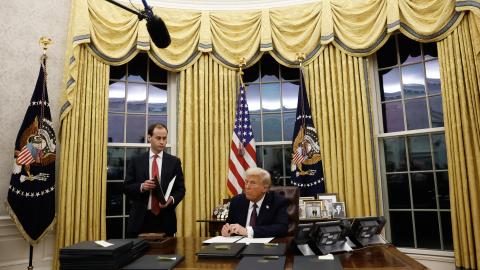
{"type": "Point", "coordinates": [231, 229]}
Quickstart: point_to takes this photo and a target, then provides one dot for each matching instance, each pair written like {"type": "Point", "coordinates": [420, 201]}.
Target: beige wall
{"type": "Point", "coordinates": [23, 23]}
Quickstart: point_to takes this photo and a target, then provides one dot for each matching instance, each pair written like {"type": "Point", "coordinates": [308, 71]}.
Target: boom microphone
{"type": "Point", "coordinates": [155, 25]}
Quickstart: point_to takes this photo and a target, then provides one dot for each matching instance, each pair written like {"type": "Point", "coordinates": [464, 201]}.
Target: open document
{"type": "Point", "coordinates": [169, 188]}
{"type": "Point", "coordinates": [222, 239]}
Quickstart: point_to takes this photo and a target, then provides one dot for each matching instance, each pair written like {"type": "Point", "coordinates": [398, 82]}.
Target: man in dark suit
{"type": "Point", "coordinates": [145, 174]}
{"type": "Point", "coordinates": [257, 212]}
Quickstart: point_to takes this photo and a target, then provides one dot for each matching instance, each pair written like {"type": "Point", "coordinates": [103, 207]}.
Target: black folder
{"type": "Point", "coordinates": [159, 192]}
{"type": "Point", "coordinates": [257, 249]}
{"type": "Point", "coordinates": [262, 262]}
{"type": "Point", "coordinates": [312, 262]}
{"type": "Point", "coordinates": [119, 246]}
{"type": "Point", "coordinates": [161, 262]}
{"type": "Point", "coordinates": [227, 250]}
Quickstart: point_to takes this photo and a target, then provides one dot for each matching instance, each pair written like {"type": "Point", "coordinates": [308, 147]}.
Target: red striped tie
{"type": "Point", "coordinates": [155, 207]}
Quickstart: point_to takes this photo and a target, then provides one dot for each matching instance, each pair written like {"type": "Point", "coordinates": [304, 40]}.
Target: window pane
{"type": "Point", "coordinates": [393, 116]}
{"type": "Point", "coordinates": [114, 198]}
{"type": "Point", "coordinates": [271, 97]}
{"type": "Point", "coordinates": [430, 50]}
{"type": "Point", "coordinates": [116, 124]}
{"type": "Point", "coordinates": [436, 111]}
{"type": "Point", "coordinates": [251, 74]}
{"type": "Point", "coordinates": [401, 229]}
{"type": "Point", "coordinates": [115, 163]}
{"type": "Point", "coordinates": [419, 153]}
{"type": "Point", "coordinates": [447, 230]}
{"type": "Point", "coordinates": [157, 74]}
{"type": "Point", "coordinates": [136, 97]}
{"type": "Point", "coordinates": [153, 119]}
{"type": "Point", "coordinates": [432, 71]}
{"type": "Point", "coordinates": [417, 115]}
{"type": "Point", "coordinates": [395, 155]}
{"type": "Point", "coordinates": [116, 97]}
{"type": "Point", "coordinates": [259, 156]}
{"type": "Point", "coordinates": [136, 129]}
{"type": "Point", "coordinates": [439, 151]}
{"type": "Point", "coordinates": [289, 73]}
{"type": "Point", "coordinates": [273, 161]}
{"type": "Point", "coordinates": [413, 80]}
{"type": "Point", "coordinates": [157, 99]}
{"type": "Point", "coordinates": [398, 191]}
{"type": "Point", "coordinates": [290, 95]}
{"type": "Point", "coordinates": [423, 190]}
{"type": "Point", "coordinates": [253, 98]}
{"type": "Point", "coordinates": [443, 190]}
{"type": "Point", "coordinates": [409, 50]}
{"type": "Point", "coordinates": [270, 69]}
{"type": "Point", "coordinates": [427, 231]}
{"type": "Point", "coordinates": [287, 151]}
{"type": "Point", "coordinates": [114, 228]}
{"type": "Point", "coordinates": [288, 125]}
{"type": "Point", "coordinates": [272, 127]}
{"type": "Point", "coordinates": [388, 54]}
{"type": "Point", "coordinates": [255, 122]}
{"type": "Point", "coordinates": [390, 88]}
{"type": "Point", "coordinates": [132, 152]}
{"type": "Point", "coordinates": [118, 72]}
{"type": "Point", "coordinates": [137, 68]}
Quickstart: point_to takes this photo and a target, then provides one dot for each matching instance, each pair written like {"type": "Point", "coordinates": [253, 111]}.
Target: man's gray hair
{"type": "Point", "coordinates": [263, 174]}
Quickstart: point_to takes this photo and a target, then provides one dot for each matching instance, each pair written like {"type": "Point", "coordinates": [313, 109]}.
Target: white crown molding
{"type": "Point", "coordinates": [222, 4]}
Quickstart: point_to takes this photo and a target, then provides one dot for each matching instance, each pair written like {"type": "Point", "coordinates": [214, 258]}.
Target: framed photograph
{"type": "Point", "coordinates": [313, 208]}
{"type": "Point", "coordinates": [302, 214]}
{"type": "Point", "coordinates": [328, 199]}
{"type": "Point", "coordinates": [339, 210]}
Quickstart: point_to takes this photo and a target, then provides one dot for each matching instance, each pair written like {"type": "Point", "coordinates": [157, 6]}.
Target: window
{"type": "Point", "coordinates": [412, 145]}
{"type": "Point", "coordinates": [272, 93]}
{"type": "Point", "coordinates": [139, 95]}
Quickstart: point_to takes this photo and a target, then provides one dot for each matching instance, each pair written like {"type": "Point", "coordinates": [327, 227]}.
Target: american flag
{"type": "Point", "coordinates": [242, 148]}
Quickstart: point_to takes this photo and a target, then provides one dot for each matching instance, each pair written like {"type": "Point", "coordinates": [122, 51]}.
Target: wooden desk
{"type": "Point", "coordinates": [377, 257]}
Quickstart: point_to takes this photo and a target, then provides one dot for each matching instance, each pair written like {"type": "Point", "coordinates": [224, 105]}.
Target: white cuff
{"type": "Point", "coordinates": [249, 232]}
{"type": "Point", "coordinates": [141, 188]}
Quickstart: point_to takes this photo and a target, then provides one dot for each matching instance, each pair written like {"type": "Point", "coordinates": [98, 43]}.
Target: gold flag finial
{"type": "Point", "coordinates": [241, 63]}
{"type": "Point", "coordinates": [44, 42]}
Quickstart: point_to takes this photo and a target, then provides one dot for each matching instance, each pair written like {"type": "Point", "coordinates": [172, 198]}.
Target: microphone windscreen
{"type": "Point", "coordinates": [158, 31]}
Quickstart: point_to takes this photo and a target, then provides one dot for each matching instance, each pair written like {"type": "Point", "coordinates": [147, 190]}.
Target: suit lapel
{"type": "Point", "coordinates": [244, 209]}
{"type": "Point", "coordinates": [164, 174]}
{"type": "Point", "coordinates": [144, 164]}
{"type": "Point", "coordinates": [266, 206]}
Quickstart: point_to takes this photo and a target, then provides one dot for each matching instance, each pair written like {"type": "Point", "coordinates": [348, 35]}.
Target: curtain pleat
{"type": "Point", "coordinates": [83, 157]}
{"type": "Point", "coordinates": [338, 95]}
{"type": "Point", "coordinates": [460, 78]}
{"type": "Point", "coordinates": [205, 122]}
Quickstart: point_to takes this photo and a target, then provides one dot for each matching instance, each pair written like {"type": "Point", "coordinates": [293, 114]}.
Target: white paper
{"type": "Point", "coordinates": [222, 239]}
{"type": "Point", "coordinates": [328, 257]}
{"type": "Point", "coordinates": [103, 243]}
{"type": "Point", "coordinates": [247, 240]}
{"type": "Point", "coordinates": [169, 188]}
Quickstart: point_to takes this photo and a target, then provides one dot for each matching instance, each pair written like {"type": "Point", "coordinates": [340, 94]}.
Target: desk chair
{"type": "Point", "coordinates": [292, 194]}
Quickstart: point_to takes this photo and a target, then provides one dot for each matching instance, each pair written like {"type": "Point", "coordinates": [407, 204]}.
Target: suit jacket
{"type": "Point", "coordinates": [272, 219]}
{"type": "Point", "coordinates": [137, 173]}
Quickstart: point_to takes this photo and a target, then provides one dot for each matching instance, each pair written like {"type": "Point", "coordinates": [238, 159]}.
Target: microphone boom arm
{"type": "Point", "coordinates": [140, 15]}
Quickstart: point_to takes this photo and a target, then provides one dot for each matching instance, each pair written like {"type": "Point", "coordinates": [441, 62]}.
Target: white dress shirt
{"type": "Point", "coordinates": [249, 214]}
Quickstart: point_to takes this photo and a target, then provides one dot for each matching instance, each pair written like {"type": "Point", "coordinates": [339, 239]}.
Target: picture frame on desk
{"type": "Point", "coordinates": [328, 199]}
{"type": "Point", "coordinates": [339, 210]}
{"type": "Point", "coordinates": [302, 212]}
{"type": "Point", "coordinates": [313, 209]}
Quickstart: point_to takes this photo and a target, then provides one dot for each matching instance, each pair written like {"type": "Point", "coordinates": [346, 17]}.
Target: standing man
{"type": "Point", "coordinates": [257, 212]}
{"type": "Point", "coordinates": [147, 213]}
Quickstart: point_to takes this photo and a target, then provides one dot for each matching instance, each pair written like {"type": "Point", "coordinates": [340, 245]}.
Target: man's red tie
{"type": "Point", "coordinates": [253, 216]}
{"type": "Point", "coordinates": [155, 207]}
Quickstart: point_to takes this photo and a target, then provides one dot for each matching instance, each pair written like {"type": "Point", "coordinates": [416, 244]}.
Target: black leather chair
{"type": "Point", "coordinates": [292, 194]}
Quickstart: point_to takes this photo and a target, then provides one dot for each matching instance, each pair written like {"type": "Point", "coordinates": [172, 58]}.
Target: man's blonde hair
{"type": "Point", "coordinates": [263, 174]}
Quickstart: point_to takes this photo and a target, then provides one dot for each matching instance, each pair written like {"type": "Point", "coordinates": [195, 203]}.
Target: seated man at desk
{"type": "Point", "coordinates": [257, 212]}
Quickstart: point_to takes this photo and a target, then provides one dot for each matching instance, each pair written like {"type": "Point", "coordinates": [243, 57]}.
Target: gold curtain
{"type": "Point", "coordinates": [460, 77]}
{"type": "Point", "coordinates": [83, 156]}
{"type": "Point", "coordinates": [205, 122]}
{"type": "Point", "coordinates": [339, 101]}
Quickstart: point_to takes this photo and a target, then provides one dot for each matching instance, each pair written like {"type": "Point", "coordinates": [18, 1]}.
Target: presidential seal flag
{"type": "Point", "coordinates": [306, 165]}
{"type": "Point", "coordinates": [31, 194]}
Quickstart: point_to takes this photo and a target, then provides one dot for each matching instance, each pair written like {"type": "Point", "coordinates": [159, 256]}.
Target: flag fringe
{"type": "Point", "coordinates": [25, 235]}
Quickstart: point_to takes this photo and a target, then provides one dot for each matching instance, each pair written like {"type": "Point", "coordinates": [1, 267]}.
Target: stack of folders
{"type": "Point", "coordinates": [262, 262]}
{"type": "Point", "coordinates": [159, 262]}
{"type": "Point", "coordinates": [265, 249]}
{"type": "Point", "coordinates": [111, 254]}
{"type": "Point", "coordinates": [328, 262]}
{"type": "Point", "coordinates": [221, 250]}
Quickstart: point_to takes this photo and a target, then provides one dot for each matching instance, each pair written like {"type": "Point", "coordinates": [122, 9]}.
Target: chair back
{"type": "Point", "coordinates": [292, 194]}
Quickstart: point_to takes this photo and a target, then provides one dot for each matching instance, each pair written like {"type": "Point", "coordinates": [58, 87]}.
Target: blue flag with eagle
{"type": "Point", "coordinates": [306, 165]}
{"type": "Point", "coordinates": [31, 194]}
